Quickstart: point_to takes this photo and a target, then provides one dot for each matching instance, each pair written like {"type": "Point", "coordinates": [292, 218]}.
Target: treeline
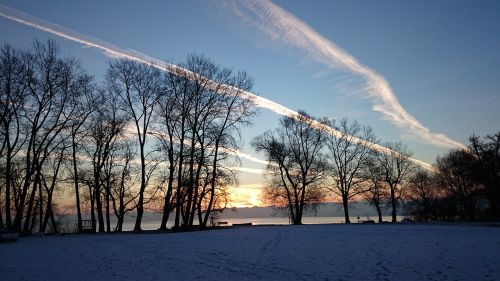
{"type": "Point", "coordinates": [465, 186]}
{"type": "Point", "coordinates": [308, 165]}
{"type": "Point", "coordinates": [138, 138]}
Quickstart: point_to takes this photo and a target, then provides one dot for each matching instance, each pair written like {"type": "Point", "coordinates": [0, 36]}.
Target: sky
{"type": "Point", "coordinates": [426, 73]}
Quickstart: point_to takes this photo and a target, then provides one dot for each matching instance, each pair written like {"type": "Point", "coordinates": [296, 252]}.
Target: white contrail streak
{"type": "Point", "coordinates": [116, 52]}
{"type": "Point", "coordinates": [246, 170]}
{"type": "Point", "coordinates": [284, 27]}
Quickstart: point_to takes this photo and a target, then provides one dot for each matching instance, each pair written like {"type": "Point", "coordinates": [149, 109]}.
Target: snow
{"type": "Point", "coordinates": [309, 252]}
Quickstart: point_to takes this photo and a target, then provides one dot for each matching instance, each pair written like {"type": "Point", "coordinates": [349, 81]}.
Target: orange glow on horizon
{"type": "Point", "coordinates": [245, 196]}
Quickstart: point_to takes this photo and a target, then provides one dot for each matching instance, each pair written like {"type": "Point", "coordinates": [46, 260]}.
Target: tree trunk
{"type": "Point", "coordinates": [98, 202]}
{"type": "Point", "coordinates": [345, 205]}
{"type": "Point", "coordinates": [140, 203]}
{"type": "Point", "coordinates": [108, 222]}
{"type": "Point", "coordinates": [166, 205]}
{"type": "Point", "coordinates": [8, 182]}
{"type": "Point", "coordinates": [53, 220]}
{"type": "Point", "coordinates": [1, 214]}
{"type": "Point", "coordinates": [393, 204]}
{"type": "Point", "coordinates": [379, 211]}
{"type": "Point", "coordinates": [119, 224]}
{"type": "Point", "coordinates": [178, 203]}
{"type": "Point", "coordinates": [26, 184]}
{"type": "Point", "coordinates": [77, 191]}
{"type": "Point", "coordinates": [26, 228]}
{"type": "Point", "coordinates": [212, 183]}
{"type": "Point", "coordinates": [92, 208]}
{"type": "Point", "coordinates": [40, 207]}
{"type": "Point", "coordinates": [187, 215]}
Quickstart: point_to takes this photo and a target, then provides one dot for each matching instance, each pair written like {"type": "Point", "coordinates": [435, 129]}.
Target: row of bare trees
{"type": "Point", "coordinates": [466, 185]}
{"type": "Point", "coordinates": [140, 138]}
{"type": "Point", "coordinates": [307, 166]}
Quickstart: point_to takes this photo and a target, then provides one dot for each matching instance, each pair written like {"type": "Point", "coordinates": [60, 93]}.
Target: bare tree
{"type": "Point", "coordinates": [487, 152]}
{"type": "Point", "coordinates": [376, 188]}
{"type": "Point", "coordinates": [49, 181]}
{"type": "Point", "coordinates": [87, 103]}
{"type": "Point", "coordinates": [123, 197]}
{"type": "Point", "coordinates": [396, 167]}
{"type": "Point", "coordinates": [106, 126]}
{"type": "Point", "coordinates": [423, 192]}
{"type": "Point", "coordinates": [171, 113]}
{"type": "Point", "coordinates": [51, 86]}
{"type": "Point", "coordinates": [458, 173]}
{"type": "Point", "coordinates": [349, 150]}
{"type": "Point", "coordinates": [200, 122]}
{"type": "Point", "coordinates": [140, 88]}
{"type": "Point", "coordinates": [12, 91]}
{"type": "Point", "coordinates": [296, 166]}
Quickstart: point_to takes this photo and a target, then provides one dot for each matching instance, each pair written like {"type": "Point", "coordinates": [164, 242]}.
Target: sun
{"type": "Point", "coordinates": [248, 195]}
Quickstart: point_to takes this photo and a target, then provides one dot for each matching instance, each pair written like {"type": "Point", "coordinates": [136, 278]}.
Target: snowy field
{"type": "Point", "coordinates": [310, 252]}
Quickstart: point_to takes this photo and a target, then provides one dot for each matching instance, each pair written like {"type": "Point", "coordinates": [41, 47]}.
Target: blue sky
{"type": "Point", "coordinates": [441, 58]}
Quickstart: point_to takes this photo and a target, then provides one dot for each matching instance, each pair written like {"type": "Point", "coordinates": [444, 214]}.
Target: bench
{"type": "Point", "coordinates": [222, 223]}
{"type": "Point", "coordinates": [87, 226]}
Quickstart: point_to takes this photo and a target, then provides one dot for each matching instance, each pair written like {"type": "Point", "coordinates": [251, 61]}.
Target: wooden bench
{"type": "Point", "coordinates": [222, 223]}
{"type": "Point", "coordinates": [87, 226]}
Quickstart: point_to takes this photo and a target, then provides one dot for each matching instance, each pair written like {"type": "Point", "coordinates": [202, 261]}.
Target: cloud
{"type": "Point", "coordinates": [116, 52]}
{"type": "Point", "coordinates": [247, 170]}
{"type": "Point", "coordinates": [284, 28]}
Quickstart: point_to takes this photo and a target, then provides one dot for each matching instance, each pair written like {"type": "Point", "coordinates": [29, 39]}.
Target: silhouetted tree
{"type": "Point", "coordinates": [423, 194]}
{"type": "Point", "coordinates": [139, 88]}
{"type": "Point", "coordinates": [121, 177]}
{"type": "Point", "coordinates": [13, 88]}
{"type": "Point", "coordinates": [52, 83]}
{"type": "Point", "coordinates": [87, 103]}
{"type": "Point", "coordinates": [200, 121]}
{"type": "Point", "coordinates": [376, 191]}
{"type": "Point", "coordinates": [296, 165]}
{"type": "Point", "coordinates": [396, 167]}
{"type": "Point", "coordinates": [458, 172]}
{"type": "Point", "coordinates": [487, 155]}
{"type": "Point", "coordinates": [106, 126]}
{"type": "Point", "coordinates": [348, 149]}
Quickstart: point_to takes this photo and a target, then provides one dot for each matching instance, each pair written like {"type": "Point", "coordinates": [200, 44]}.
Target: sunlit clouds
{"type": "Point", "coordinates": [286, 29]}
{"type": "Point", "coordinates": [248, 195]}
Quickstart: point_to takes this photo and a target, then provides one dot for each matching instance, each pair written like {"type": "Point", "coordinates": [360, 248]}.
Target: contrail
{"type": "Point", "coordinates": [284, 27]}
{"type": "Point", "coordinates": [116, 52]}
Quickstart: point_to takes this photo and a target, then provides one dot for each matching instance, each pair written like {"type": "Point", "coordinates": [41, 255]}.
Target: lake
{"type": "Point", "coordinates": [152, 222]}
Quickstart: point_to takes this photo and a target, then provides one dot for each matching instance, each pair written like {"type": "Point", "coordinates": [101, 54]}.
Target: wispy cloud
{"type": "Point", "coordinates": [116, 52]}
{"type": "Point", "coordinates": [286, 29]}
{"type": "Point", "coordinates": [246, 170]}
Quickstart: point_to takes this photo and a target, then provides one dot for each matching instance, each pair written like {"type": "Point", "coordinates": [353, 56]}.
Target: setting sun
{"type": "Point", "coordinates": [248, 195]}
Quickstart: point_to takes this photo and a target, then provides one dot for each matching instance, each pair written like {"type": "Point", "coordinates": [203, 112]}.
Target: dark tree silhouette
{"type": "Point", "coordinates": [458, 173]}
{"type": "Point", "coordinates": [12, 99]}
{"type": "Point", "coordinates": [423, 194]}
{"type": "Point", "coordinates": [139, 88]}
{"type": "Point", "coordinates": [396, 167]}
{"type": "Point", "coordinates": [51, 83]}
{"type": "Point", "coordinates": [376, 191]}
{"type": "Point", "coordinates": [296, 165]}
{"type": "Point", "coordinates": [348, 150]}
{"type": "Point", "coordinates": [200, 121]}
{"type": "Point", "coordinates": [487, 153]}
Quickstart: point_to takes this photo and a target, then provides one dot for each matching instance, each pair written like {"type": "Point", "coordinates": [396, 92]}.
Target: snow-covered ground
{"type": "Point", "coordinates": [310, 252]}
